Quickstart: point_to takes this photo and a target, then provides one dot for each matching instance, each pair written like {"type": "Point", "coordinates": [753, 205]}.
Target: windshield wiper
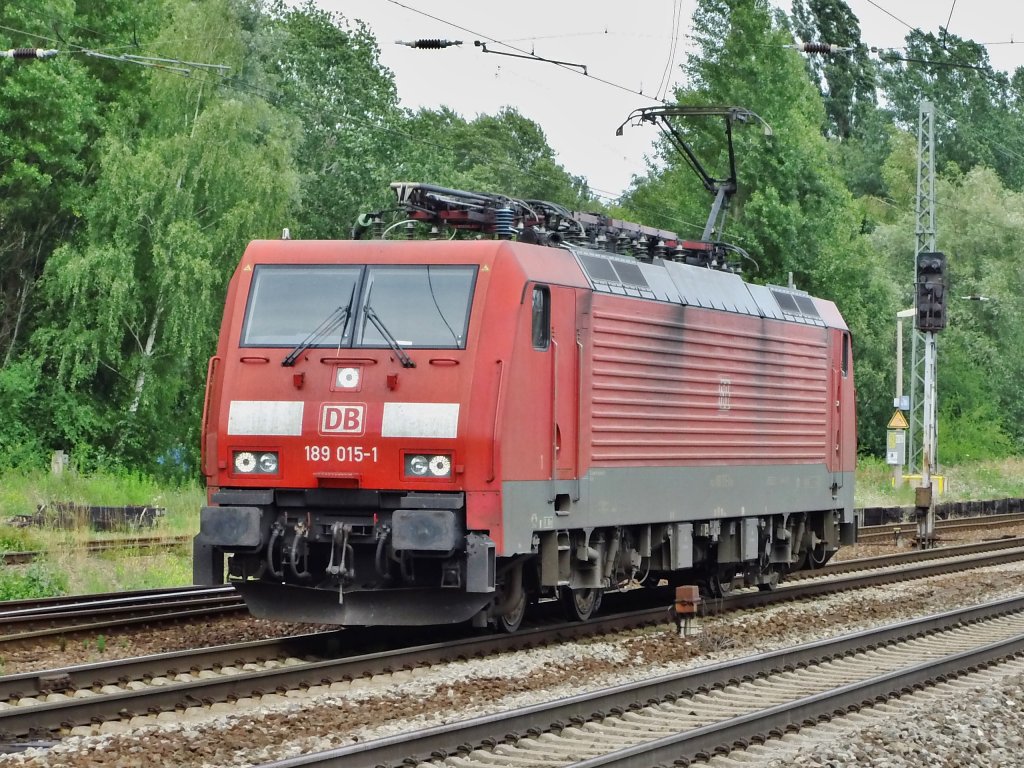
{"type": "Point", "coordinates": [339, 317]}
{"type": "Point", "coordinates": [391, 340]}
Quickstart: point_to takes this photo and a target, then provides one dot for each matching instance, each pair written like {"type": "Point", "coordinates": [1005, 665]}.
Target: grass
{"type": "Point", "coordinates": [995, 479]}
{"type": "Point", "coordinates": [23, 493]}
{"type": "Point", "coordinates": [69, 569]}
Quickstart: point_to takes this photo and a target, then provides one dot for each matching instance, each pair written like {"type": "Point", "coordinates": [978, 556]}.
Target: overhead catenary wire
{"type": "Point", "coordinates": [945, 29]}
{"type": "Point", "coordinates": [273, 96]}
{"type": "Point", "coordinates": [263, 93]}
{"type": "Point", "coordinates": [165, 64]}
{"type": "Point", "coordinates": [532, 56]}
{"type": "Point", "coordinates": [663, 84]}
{"type": "Point", "coordinates": [891, 15]}
{"type": "Point", "coordinates": [29, 53]}
{"type": "Point", "coordinates": [523, 52]}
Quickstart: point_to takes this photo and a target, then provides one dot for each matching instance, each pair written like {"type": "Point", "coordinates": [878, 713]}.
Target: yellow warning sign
{"type": "Point", "coordinates": [898, 421]}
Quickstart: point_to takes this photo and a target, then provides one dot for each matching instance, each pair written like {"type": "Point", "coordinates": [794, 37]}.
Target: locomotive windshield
{"type": "Point", "coordinates": [417, 305]}
{"type": "Point", "coordinates": [420, 306]}
{"type": "Point", "coordinates": [287, 304]}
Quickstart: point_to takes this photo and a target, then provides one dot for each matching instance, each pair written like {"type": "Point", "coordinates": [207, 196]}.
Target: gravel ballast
{"type": "Point", "coordinates": [277, 726]}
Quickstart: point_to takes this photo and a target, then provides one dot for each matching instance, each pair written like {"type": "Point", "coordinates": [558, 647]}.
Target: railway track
{"type": "Point", "coordinates": [103, 545]}
{"type": "Point", "coordinates": [23, 620]}
{"type": "Point", "coordinates": [906, 531]}
{"type": "Point", "coordinates": [27, 620]}
{"type": "Point", "coordinates": [134, 692]}
{"type": "Point", "coordinates": [698, 713]}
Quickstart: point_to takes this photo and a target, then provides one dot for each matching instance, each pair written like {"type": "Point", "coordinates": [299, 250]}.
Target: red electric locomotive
{"type": "Point", "coordinates": [436, 431]}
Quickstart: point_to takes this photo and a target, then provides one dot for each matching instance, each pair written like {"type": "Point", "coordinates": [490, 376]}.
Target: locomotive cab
{"type": "Point", "coordinates": [351, 414]}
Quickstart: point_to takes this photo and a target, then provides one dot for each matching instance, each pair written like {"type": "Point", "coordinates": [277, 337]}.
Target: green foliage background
{"type": "Point", "coordinates": [127, 195]}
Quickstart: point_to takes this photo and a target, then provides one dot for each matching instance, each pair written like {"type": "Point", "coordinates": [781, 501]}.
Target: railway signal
{"type": "Point", "coordinates": [931, 291]}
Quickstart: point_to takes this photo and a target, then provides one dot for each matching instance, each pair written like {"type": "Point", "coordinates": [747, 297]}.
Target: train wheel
{"type": "Point", "coordinates": [718, 583]}
{"type": "Point", "coordinates": [770, 582]}
{"type": "Point", "coordinates": [580, 604]}
{"type": "Point", "coordinates": [817, 557]}
{"type": "Point", "coordinates": [801, 562]}
{"type": "Point", "coordinates": [511, 621]}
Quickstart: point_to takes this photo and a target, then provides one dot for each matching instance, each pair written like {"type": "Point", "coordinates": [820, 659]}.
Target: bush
{"type": "Point", "coordinates": [19, 436]}
{"type": "Point", "coordinates": [40, 579]}
{"type": "Point", "coordinates": [973, 436]}
{"type": "Point", "coordinates": [17, 540]}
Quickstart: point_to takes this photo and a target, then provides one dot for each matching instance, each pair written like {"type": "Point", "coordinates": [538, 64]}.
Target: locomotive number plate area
{"type": "Point", "coordinates": [341, 453]}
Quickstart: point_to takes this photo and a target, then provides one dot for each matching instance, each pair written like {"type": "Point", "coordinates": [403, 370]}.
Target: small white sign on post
{"type": "Point", "coordinates": [896, 447]}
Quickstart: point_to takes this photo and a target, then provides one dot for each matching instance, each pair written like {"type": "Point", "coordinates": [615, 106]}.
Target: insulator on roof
{"type": "Point", "coordinates": [504, 223]}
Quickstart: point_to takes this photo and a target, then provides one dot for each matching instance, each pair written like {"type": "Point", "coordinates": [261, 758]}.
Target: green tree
{"type": "Point", "coordinates": [504, 154]}
{"type": "Point", "coordinates": [47, 110]}
{"type": "Point", "coordinates": [52, 113]}
{"type": "Point", "coordinates": [847, 79]}
{"type": "Point", "coordinates": [793, 213]}
{"type": "Point", "coordinates": [978, 222]}
{"type": "Point", "coordinates": [328, 74]}
{"type": "Point", "coordinates": [978, 118]}
{"type": "Point", "coordinates": [849, 82]}
{"type": "Point", "coordinates": [133, 305]}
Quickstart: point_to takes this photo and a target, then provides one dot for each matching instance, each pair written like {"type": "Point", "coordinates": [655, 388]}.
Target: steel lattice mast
{"type": "Point", "coordinates": [923, 431]}
{"type": "Point", "coordinates": [924, 231]}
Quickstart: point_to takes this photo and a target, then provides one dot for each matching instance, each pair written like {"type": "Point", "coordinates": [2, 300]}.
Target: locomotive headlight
{"type": "Point", "coordinates": [268, 462]}
{"type": "Point", "coordinates": [416, 465]}
{"type": "Point", "coordinates": [245, 462]}
{"type": "Point", "coordinates": [438, 465]}
{"type": "Point", "coordinates": [256, 462]}
{"type": "Point", "coordinates": [346, 378]}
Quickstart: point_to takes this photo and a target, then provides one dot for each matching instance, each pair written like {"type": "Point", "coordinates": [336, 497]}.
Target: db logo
{"type": "Point", "coordinates": [342, 419]}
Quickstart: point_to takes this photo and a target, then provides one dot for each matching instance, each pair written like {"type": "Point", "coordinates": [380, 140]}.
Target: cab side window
{"type": "Point", "coordinates": [541, 317]}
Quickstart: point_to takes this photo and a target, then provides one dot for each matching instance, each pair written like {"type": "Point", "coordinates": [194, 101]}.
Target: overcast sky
{"type": "Point", "coordinates": [628, 49]}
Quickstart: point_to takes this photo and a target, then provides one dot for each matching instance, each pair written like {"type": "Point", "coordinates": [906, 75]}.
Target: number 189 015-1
{"type": "Point", "coordinates": [345, 453]}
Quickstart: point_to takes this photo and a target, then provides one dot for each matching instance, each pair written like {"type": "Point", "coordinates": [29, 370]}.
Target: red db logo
{"type": "Point", "coordinates": [344, 419]}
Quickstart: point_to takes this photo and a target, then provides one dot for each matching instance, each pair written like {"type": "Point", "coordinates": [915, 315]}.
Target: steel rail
{"type": "Point", "coordinates": [102, 545]}
{"type": "Point", "coordinates": [912, 556]}
{"type": "Point", "coordinates": [98, 674]}
{"type": "Point", "coordinates": [736, 732]}
{"type": "Point", "coordinates": [132, 609]}
{"type": "Point", "coordinates": [189, 603]}
{"type": "Point", "coordinates": [42, 605]}
{"type": "Point", "coordinates": [888, 531]}
{"type": "Point", "coordinates": [440, 741]}
{"type": "Point", "coordinates": [44, 717]}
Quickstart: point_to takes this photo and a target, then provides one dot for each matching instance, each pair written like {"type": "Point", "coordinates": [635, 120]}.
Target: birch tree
{"type": "Point", "coordinates": [133, 306]}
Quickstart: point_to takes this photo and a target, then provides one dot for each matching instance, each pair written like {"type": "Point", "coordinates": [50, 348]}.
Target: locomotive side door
{"type": "Point", "coordinates": [841, 396]}
{"type": "Point", "coordinates": [565, 387]}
